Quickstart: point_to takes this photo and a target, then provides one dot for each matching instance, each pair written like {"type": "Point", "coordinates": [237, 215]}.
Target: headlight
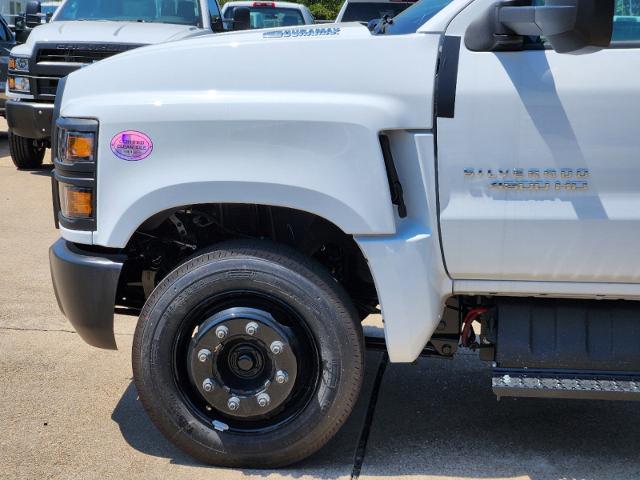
{"type": "Point", "coordinates": [19, 64]}
{"type": "Point", "coordinates": [75, 153]}
{"type": "Point", "coordinates": [74, 147]}
{"type": "Point", "coordinates": [75, 201]}
{"type": "Point", "coordinates": [19, 84]}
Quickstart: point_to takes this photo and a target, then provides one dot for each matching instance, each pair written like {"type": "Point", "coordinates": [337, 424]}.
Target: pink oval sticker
{"type": "Point", "coordinates": [131, 146]}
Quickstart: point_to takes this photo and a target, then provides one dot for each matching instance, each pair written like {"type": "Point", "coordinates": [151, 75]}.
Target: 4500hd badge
{"type": "Point", "coordinates": [542, 179]}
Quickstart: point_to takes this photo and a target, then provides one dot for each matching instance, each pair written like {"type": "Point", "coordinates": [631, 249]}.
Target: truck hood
{"type": "Point", "coordinates": [307, 67]}
{"type": "Point", "coordinates": [111, 32]}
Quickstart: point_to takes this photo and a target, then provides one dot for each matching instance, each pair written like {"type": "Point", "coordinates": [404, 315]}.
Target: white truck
{"type": "Point", "coordinates": [80, 33]}
{"type": "Point", "coordinates": [472, 161]}
{"type": "Point", "coordinates": [366, 10]}
{"type": "Point", "coordinates": [270, 14]}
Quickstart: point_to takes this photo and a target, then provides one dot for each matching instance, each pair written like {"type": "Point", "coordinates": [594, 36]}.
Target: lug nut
{"type": "Point", "coordinates": [222, 332]}
{"type": "Point", "coordinates": [233, 403]}
{"type": "Point", "coordinates": [277, 347]}
{"type": "Point", "coordinates": [204, 354]}
{"type": "Point", "coordinates": [282, 376]}
{"type": "Point", "coordinates": [207, 385]}
{"type": "Point", "coordinates": [263, 399]}
{"type": "Point", "coordinates": [251, 328]}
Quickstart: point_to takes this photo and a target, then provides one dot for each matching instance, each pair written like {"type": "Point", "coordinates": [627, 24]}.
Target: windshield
{"type": "Point", "coordinates": [269, 17]}
{"type": "Point", "coordinates": [49, 9]}
{"type": "Point", "coordinates": [183, 12]}
{"type": "Point", "coordinates": [414, 17]}
{"type": "Point", "coordinates": [363, 12]}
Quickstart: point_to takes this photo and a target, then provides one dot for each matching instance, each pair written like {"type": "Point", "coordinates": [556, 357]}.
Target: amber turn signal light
{"type": "Point", "coordinates": [76, 202]}
{"type": "Point", "coordinates": [80, 146]}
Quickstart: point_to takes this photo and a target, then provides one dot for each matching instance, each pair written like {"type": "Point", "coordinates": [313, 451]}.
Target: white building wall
{"type": "Point", "coordinates": [12, 7]}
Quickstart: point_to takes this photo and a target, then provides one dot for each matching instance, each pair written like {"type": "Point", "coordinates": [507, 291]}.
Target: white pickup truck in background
{"type": "Point", "coordinates": [82, 32]}
{"type": "Point", "coordinates": [270, 14]}
{"type": "Point", "coordinates": [468, 161]}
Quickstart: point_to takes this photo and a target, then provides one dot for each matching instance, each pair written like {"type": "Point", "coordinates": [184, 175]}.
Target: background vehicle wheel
{"type": "Point", "coordinates": [26, 153]}
{"type": "Point", "coordinates": [248, 355]}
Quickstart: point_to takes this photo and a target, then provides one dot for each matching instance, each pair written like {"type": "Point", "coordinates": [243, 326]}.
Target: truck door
{"type": "Point", "coordinates": [540, 164]}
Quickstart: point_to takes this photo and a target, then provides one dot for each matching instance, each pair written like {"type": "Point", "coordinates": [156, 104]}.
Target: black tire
{"type": "Point", "coordinates": [26, 153]}
{"type": "Point", "coordinates": [319, 403]}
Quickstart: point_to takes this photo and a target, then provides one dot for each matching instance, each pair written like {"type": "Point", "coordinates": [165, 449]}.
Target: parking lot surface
{"type": "Point", "coordinates": [70, 411]}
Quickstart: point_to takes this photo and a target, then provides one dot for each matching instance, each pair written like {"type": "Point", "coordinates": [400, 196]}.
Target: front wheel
{"type": "Point", "coordinates": [249, 355]}
{"type": "Point", "coordinates": [26, 153]}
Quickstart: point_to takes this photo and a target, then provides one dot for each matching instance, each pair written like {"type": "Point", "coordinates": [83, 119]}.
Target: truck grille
{"type": "Point", "coordinates": [82, 54]}
{"type": "Point", "coordinates": [47, 88]}
{"type": "Point", "coordinates": [57, 60]}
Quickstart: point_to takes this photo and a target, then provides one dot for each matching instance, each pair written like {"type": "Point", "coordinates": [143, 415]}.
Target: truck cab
{"type": "Point", "coordinates": [81, 33]}
{"type": "Point", "coordinates": [467, 170]}
{"type": "Point", "coordinates": [270, 14]}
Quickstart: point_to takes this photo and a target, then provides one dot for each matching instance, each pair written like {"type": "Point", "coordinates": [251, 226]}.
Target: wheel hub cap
{"type": "Point", "coordinates": [243, 376]}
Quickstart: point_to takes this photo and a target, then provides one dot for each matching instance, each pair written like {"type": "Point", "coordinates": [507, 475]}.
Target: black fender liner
{"type": "Point", "coordinates": [85, 284]}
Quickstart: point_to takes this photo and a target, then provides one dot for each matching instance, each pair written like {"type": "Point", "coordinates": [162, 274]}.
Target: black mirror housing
{"type": "Point", "coordinates": [34, 9]}
{"type": "Point", "coordinates": [593, 26]}
{"type": "Point", "coordinates": [241, 18]}
{"type": "Point", "coordinates": [568, 25]}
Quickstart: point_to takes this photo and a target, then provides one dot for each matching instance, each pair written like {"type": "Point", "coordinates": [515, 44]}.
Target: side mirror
{"type": "Point", "coordinates": [20, 29]}
{"type": "Point", "coordinates": [568, 25]}
{"type": "Point", "coordinates": [217, 24]}
{"type": "Point", "coordinates": [373, 24]}
{"type": "Point", "coordinates": [34, 10]}
{"type": "Point", "coordinates": [241, 18]}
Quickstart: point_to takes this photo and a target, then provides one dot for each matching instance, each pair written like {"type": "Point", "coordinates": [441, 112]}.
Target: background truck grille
{"type": "Point", "coordinates": [80, 54]}
{"type": "Point", "coordinates": [57, 60]}
{"type": "Point", "coordinates": [47, 87]}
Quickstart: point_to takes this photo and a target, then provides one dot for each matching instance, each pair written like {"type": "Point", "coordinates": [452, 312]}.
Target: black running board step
{"type": "Point", "coordinates": [578, 385]}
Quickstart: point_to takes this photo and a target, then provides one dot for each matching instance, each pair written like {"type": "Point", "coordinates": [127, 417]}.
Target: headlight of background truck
{"type": "Point", "coordinates": [19, 64]}
{"type": "Point", "coordinates": [19, 84]}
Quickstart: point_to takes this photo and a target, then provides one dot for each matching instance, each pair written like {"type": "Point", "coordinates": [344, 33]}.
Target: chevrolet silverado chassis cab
{"type": "Point", "coordinates": [470, 169]}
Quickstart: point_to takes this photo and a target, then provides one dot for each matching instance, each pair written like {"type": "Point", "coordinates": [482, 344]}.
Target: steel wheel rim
{"type": "Point", "coordinates": [303, 386]}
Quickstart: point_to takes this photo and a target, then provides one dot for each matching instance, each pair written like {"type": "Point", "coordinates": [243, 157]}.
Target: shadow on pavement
{"type": "Point", "coordinates": [140, 433]}
{"type": "Point", "coordinates": [333, 460]}
{"type": "Point", "coordinates": [4, 144]}
{"type": "Point", "coordinates": [440, 418]}
{"type": "Point", "coordinates": [44, 171]}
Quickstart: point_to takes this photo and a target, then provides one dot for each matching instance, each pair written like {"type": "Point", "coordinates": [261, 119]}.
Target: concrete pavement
{"type": "Point", "coordinates": [69, 411]}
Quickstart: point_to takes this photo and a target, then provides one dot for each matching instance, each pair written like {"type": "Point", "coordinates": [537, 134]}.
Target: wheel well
{"type": "Point", "coordinates": [167, 238]}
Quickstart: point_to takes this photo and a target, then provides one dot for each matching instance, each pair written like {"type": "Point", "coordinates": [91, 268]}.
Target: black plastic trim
{"type": "Point", "coordinates": [82, 174]}
{"type": "Point", "coordinates": [29, 120]}
{"type": "Point", "coordinates": [395, 187]}
{"type": "Point", "coordinates": [54, 148]}
{"type": "Point", "coordinates": [85, 285]}
{"type": "Point", "coordinates": [447, 78]}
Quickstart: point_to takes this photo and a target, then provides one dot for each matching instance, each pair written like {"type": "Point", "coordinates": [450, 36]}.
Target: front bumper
{"type": "Point", "coordinates": [85, 285]}
{"type": "Point", "coordinates": [29, 119]}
